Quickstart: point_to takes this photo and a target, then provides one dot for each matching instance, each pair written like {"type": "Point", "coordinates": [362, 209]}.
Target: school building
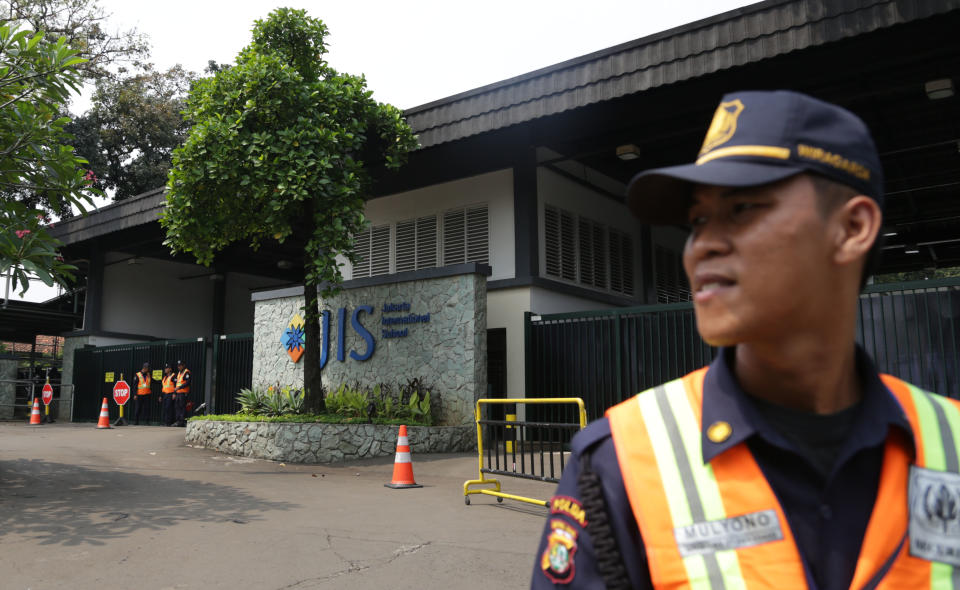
{"type": "Point", "coordinates": [521, 183]}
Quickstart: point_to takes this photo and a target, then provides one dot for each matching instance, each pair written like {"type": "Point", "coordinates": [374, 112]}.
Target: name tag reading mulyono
{"type": "Point", "coordinates": [745, 530]}
{"type": "Point", "coordinates": [934, 500]}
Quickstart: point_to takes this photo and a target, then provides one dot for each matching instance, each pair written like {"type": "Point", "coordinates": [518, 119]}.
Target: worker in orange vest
{"type": "Point", "coordinates": [182, 392]}
{"type": "Point", "coordinates": [168, 386]}
{"type": "Point", "coordinates": [141, 402]}
{"type": "Point", "coordinates": [789, 462]}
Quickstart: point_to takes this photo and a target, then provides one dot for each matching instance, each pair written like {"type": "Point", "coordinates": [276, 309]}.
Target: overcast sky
{"type": "Point", "coordinates": [412, 52]}
{"type": "Point", "coordinates": [415, 51]}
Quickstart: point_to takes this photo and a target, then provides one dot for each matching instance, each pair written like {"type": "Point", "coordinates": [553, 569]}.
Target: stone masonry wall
{"type": "Point", "coordinates": [8, 391]}
{"type": "Point", "coordinates": [324, 443]}
{"type": "Point", "coordinates": [448, 353]}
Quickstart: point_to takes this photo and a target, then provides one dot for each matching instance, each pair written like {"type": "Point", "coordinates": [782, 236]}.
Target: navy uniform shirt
{"type": "Point", "coordinates": [827, 508]}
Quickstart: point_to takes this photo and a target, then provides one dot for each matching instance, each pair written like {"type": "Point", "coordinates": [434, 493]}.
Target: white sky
{"type": "Point", "coordinates": [412, 52]}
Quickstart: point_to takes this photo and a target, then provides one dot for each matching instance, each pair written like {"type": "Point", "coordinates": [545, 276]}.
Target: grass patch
{"type": "Point", "coordinates": [306, 419]}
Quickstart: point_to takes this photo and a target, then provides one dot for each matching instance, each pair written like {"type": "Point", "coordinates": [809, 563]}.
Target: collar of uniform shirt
{"type": "Point", "coordinates": [724, 400]}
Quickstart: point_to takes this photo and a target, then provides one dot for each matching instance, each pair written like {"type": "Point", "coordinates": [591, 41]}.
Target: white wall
{"type": "Point", "coordinates": [150, 299]}
{"type": "Point", "coordinates": [238, 306]}
{"type": "Point", "coordinates": [494, 188]}
{"type": "Point", "coordinates": [505, 309]}
{"type": "Point", "coordinates": [545, 301]}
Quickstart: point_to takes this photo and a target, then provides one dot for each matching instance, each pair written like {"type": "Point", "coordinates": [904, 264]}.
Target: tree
{"type": "Point", "coordinates": [282, 147]}
{"type": "Point", "coordinates": [36, 79]}
{"type": "Point", "coordinates": [83, 24]}
{"type": "Point", "coordinates": [129, 133]}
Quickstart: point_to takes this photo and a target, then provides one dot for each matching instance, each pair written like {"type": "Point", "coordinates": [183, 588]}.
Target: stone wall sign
{"type": "Point", "coordinates": [424, 324]}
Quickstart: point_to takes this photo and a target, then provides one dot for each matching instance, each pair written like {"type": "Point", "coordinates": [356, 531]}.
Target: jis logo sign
{"type": "Point", "coordinates": [293, 338]}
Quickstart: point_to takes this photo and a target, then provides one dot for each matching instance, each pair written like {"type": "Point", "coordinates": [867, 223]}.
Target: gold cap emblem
{"type": "Point", "coordinates": [723, 126]}
{"type": "Point", "coordinates": [719, 431]}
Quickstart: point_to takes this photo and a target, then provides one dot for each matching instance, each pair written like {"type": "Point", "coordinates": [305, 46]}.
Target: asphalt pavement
{"type": "Point", "coordinates": [134, 507]}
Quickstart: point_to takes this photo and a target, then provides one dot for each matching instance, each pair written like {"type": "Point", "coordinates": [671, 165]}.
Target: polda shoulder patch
{"type": "Point", "coordinates": [568, 506]}
{"type": "Point", "coordinates": [557, 561]}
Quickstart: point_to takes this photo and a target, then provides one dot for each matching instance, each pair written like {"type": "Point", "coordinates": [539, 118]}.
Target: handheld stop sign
{"type": "Point", "coordinates": [46, 394]}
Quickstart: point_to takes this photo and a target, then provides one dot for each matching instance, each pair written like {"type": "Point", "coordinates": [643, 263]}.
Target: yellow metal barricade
{"type": "Point", "coordinates": [514, 442]}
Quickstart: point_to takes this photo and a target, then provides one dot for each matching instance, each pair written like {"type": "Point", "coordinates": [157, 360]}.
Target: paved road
{"type": "Point", "coordinates": [134, 507]}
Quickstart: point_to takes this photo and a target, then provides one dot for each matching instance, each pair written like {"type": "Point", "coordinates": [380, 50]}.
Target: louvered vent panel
{"type": "Point", "coordinates": [478, 241]}
{"type": "Point", "coordinates": [406, 248]}
{"type": "Point", "coordinates": [620, 247]}
{"type": "Point", "coordinates": [454, 238]}
{"type": "Point", "coordinates": [551, 240]}
{"type": "Point", "coordinates": [361, 246]}
{"type": "Point", "coordinates": [585, 250]}
{"type": "Point", "coordinates": [380, 250]}
{"type": "Point", "coordinates": [426, 242]}
{"type": "Point", "coordinates": [568, 247]}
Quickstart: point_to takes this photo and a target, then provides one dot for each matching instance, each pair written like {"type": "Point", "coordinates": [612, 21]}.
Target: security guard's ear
{"type": "Point", "coordinates": [857, 224]}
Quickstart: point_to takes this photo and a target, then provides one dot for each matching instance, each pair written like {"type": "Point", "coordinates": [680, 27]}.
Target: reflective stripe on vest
{"type": "Point", "coordinates": [719, 525]}
{"type": "Point", "coordinates": [180, 381]}
{"type": "Point", "coordinates": [143, 384]}
{"type": "Point", "coordinates": [168, 384]}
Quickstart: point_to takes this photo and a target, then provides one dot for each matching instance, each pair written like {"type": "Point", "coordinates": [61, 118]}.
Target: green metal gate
{"type": "Point", "coordinates": [234, 371]}
{"type": "Point", "coordinates": [911, 330]}
{"type": "Point", "coordinates": [93, 365]}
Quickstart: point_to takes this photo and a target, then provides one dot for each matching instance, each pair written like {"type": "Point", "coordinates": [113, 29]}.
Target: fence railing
{"type": "Point", "coordinates": [911, 330]}
{"type": "Point", "coordinates": [526, 449]}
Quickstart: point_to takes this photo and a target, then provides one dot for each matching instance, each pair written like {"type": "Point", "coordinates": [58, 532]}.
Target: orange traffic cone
{"type": "Point", "coordinates": [104, 421]}
{"type": "Point", "coordinates": [402, 466]}
{"type": "Point", "coordinates": [35, 419]}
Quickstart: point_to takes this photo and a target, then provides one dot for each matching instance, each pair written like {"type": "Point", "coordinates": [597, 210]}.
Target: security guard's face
{"type": "Point", "coordinates": [758, 260]}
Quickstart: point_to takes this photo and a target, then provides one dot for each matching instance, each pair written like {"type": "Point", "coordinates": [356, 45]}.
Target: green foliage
{"type": "Point", "coordinates": [37, 77]}
{"type": "Point", "coordinates": [83, 23]}
{"type": "Point", "coordinates": [281, 146]}
{"type": "Point", "coordinates": [275, 401]}
{"type": "Point", "coordinates": [131, 129]}
{"type": "Point", "coordinates": [346, 403]}
{"type": "Point", "coordinates": [302, 418]}
{"type": "Point", "coordinates": [916, 275]}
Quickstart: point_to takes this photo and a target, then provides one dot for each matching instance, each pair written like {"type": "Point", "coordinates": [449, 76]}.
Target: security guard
{"type": "Point", "coordinates": [168, 386]}
{"type": "Point", "coordinates": [789, 462]}
{"type": "Point", "coordinates": [141, 403]}
{"type": "Point", "coordinates": [181, 392]}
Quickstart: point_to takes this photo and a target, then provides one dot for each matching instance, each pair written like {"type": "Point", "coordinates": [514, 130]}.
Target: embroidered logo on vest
{"type": "Point", "coordinates": [557, 559]}
{"type": "Point", "coordinates": [735, 532]}
{"type": "Point", "coordinates": [934, 498]}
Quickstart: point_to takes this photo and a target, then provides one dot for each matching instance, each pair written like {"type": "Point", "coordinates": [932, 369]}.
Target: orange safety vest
{"type": "Point", "coordinates": [143, 384]}
{"type": "Point", "coordinates": [168, 383]}
{"type": "Point", "coordinates": [181, 380]}
{"type": "Point", "coordinates": [719, 524]}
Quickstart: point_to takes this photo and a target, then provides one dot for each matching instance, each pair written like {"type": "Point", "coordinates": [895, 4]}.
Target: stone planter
{"type": "Point", "coordinates": [324, 443]}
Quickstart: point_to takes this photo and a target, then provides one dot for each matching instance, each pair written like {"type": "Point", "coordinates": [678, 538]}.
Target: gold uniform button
{"type": "Point", "coordinates": [719, 431]}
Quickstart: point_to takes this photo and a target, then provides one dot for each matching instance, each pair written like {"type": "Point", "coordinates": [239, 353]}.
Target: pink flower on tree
{"type": "Point", "coordinates": [22, 232]}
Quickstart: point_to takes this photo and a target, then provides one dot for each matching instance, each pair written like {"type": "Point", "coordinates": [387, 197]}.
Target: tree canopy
{"type": "Point", "coordinates": [282, 147]}
{"type": "Point", "coordinates": [37, 76]}
{"type": "Point", "coordinates": [131, 129]}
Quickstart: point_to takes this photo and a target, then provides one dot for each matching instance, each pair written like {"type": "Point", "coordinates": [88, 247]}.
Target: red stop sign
{"type": "Point", "coordinates": [46, 394]}
{"type": "Point", "coordinates": [121, 393]}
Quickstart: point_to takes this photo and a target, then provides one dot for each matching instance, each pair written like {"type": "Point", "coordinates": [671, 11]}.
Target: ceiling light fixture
{"type": "Point", "coordinates": [628, 152]}
{"type": "Point", "coordinates": [937, 89]}
{"type": "Point", "coordinates": [912, 249]}
{"type": "Point", "coordinates": [889, 234]}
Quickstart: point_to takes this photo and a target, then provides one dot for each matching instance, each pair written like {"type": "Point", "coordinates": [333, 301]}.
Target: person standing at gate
{"type": "Point", "coordinates": [141, 403]}
{"type": "Point", "coordinates": [789, 461]}
{"type": "Point", "coordinates": [181, 392]}
{"type": "Point", "coordinates": [168, 386]}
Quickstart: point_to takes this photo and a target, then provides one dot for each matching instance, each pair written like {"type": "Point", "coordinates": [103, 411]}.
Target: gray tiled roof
{"type": "Point", "coordinates": [735, 38]}
{"type": "Point", "coordinates": [139, 210]}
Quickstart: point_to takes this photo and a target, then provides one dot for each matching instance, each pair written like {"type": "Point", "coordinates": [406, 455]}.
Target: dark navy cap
{"type": "Point", "coordinates": [759, 137]}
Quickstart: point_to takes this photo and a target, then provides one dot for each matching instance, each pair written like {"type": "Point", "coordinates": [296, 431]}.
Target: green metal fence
{"type": "Point", "coordinates": [910, 329]}
{"type": "Point", "coordinates": [92, 365]}
{"type": "Point", "coordinates": [233, 354]}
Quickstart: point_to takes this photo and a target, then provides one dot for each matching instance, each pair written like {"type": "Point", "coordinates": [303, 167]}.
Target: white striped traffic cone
{"type": "Point", "coordinates": [35, 419]}
{"type": "Point", "coordinates": [402, 466]}
{"type": "Point", "coordinates": [104, 415]}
